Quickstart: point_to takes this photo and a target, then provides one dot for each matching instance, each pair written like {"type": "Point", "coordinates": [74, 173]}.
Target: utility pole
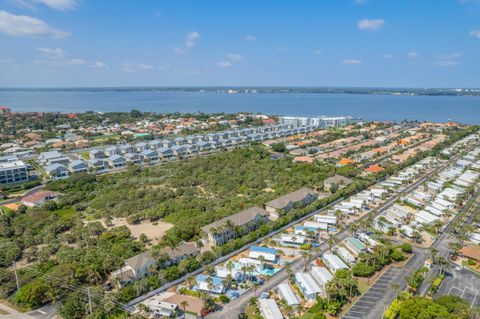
{"type": "Point", "coordinates": [89, 300]}
{"type": "Point", "coordinates": [16, 276]}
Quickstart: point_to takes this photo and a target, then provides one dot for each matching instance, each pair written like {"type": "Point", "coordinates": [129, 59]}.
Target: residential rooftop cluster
{"type": "Point", "coordinates": [256, 264]}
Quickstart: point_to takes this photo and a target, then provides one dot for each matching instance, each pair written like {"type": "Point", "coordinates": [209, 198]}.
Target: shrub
{"type": "Point", "coordinates": [397, 255]}
{"type": "Point", "coordinates": [223, 299]}
{"type": "Point", "coordinates": [362, 270]}
{"type": "Point", "coordinates": [406, 248]}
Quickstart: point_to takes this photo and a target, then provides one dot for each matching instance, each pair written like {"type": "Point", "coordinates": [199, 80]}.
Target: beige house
{"type": "Point", "coordinates": [219, 232]}
{"type": "Point", "coordinates": [137, 267]}
{"type": "Point", "coordinates": [285, 203]}
{"type": "Point", "coordinates": [336, 182]}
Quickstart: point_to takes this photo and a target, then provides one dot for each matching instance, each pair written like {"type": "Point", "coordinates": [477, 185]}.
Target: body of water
{"type": "Point", "coordinates": [463, 109]}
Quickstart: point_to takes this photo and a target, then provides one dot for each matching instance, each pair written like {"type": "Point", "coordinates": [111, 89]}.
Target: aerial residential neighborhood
{"type": "Point", "coordinates": [395, 190]}
{"type": "Point", "coordinates": [239, 159]}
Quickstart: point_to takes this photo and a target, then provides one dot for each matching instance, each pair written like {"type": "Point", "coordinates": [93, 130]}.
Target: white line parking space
{"type": "Point", "coordinates": [467, 293]}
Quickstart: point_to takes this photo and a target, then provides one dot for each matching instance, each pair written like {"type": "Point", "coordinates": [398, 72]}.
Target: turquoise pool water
{"type": "Point", "coordinates": [265, 271]}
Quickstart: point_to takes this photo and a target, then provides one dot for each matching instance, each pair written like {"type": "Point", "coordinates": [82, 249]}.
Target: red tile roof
{"type": "Point", "coordinates": [375, 169]}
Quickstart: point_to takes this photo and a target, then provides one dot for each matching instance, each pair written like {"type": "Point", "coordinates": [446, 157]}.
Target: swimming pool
{"type": "Point", "coordinates": [265, 271]}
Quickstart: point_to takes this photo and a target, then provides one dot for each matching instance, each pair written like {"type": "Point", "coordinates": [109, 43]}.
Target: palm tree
{"type": "Point", "coordinates": [331, 241]}
{"type": "Point", "coordinates": [172, 243]}
{"type": "Point", "coordinates": [244, 270]}
{"type": "Point", "coordinates": [184, 305]}
{"type": "Point", "coordinates": [306, 257]}
{"type": "Point", "coordinates": [261, 259]}
{"type": "Point", "coordinates": [255, 286]}
{"type": "Point", "coordinates": [268, 277]}
{"type": "Point", "coordinates": [209, 282]}
{"type": "Point", "coordinates": [190, 281]}
{"type": "Point", "coordinates": [229, 265]}
{"type": "Point", "coordinates": [433, 253]}
{"type": "Point", "coordinates": [294, 240]}
{"type": "Point", "coordinates": [442, 262]}
{"type": "Point", "coordinates": [228, 281]}
{"type": "Point", "coordinates": [144, 309]}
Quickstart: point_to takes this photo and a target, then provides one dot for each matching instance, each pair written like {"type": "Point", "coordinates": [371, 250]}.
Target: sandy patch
{"type": "Point", "coordinates": [153, 232]}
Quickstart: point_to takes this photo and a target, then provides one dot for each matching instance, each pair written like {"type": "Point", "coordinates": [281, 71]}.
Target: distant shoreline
{"type": "Point", "coordinates": [265, 89]}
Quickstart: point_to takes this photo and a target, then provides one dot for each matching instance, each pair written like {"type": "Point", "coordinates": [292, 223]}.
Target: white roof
{"type": "Point", "coordinates": [433, 210]}
{"type": "Point", "coordinates": [424, 217]}
{"type": "Point", "coordinates": [315, 225]}
{"type": "Point", "coordinates": [308, 283]}
{"type": "Point", "coordinates": [269, 309]}
{"type": "Point", "coordinates": [334, 261]}
{"type": "Point", "coordinates": [297, 239]}
{"type": "Point", "coordinates": [12, 165]}
{"type": "Point", "coordinates": [325, 219]}
{"type": "Point", "coordinates": [287, 293]}
{"type": "Point", "coordinates": [268, 256]}
{"type": "Point", "coordinates": [321, 275]}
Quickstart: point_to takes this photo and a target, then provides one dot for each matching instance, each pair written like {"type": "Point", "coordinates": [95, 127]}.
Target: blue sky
{"type": "Point", "coordinates": [413, 43]}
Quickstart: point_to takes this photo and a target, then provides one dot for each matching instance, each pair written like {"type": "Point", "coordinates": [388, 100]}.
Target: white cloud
{"type": "Point", "coordinates": [224, 64]}
{"type": "Point", "coordinates": [317, 52]}
{"type": "Point", "coordinates": [62, 5]}
{"type": "Point", "coordinates": [280, 49]}
{"type": "Point", "coordinates": [231, 59]}
{"type": "Point", "coordinates": [24, 4]}
{"type": "Point", "coordinates": [475, 33]}
{"type": "Point", "coordinates": [78, 61]}
{"type": "Point", "coordinates": [235, 57]}
{"type": "Point", "coordinates": [52, 52]}
{"type": "Point", "coordinates": [448, 59]}
{"type": "Point", "coordinates": [370, 25]}
{"type": "Point", "coordinates": [134, 67]}
{"type": "Point", "coordinates": [387, 56]}
{"type": "Point", "coordinates": [98, 65]}
{"type": "Point", "coordinates": [412, 55]}
{"type": "Point", "coordinates": [59, 58]}
{"type": "Point", "coordinates": [192, 39]}
{"type": "Point", "coordinates": [179, 50]}
{"type": "Point", "coordinates": [250, 38]}
{"type": "Point", "coordinates": [352, 61]}
{"type": "Point", "coordinates": [5, 61]}
{"type": "Point", "coordinates": [26, 26]}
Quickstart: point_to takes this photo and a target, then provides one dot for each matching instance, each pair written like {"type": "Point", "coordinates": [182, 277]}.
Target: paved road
{"type": "Point", "coordinates": [372, 304]}
{"type": "Point", "coordinates": [232, 309]}
{"type": "Point", "coordinates": [222, 259]}
{"type": "Point", "coordinates": [7, 312]}
{"type": "Point", "coordinates": [29, 192]}
{"type": "Point", "coordinates": [46, 312]}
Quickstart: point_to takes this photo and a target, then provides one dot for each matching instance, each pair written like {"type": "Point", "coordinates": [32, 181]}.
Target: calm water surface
{"type": "Point", "coordinates": [370, 107]}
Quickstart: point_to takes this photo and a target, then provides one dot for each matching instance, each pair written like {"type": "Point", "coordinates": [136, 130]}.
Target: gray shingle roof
{"type": "Point", "coordinates": [294, 197]}
{"type": "Point", "coordinates": [238, 219]}
{"type": "Point", "coordinates": [337, 179]}
{"type": "Point", "coordinates": [140, 260]}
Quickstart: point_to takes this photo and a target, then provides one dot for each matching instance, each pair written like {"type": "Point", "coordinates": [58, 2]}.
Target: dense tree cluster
{"type": "Point", "coordinates": [191, 193]}
{"type": "Point", "coordinates": [445, 307]}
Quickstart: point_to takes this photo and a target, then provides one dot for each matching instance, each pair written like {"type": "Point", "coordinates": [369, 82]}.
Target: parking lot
{"type": "Point", "coordinates": [462, 283]}
{"type": "Point", "coordinates": [371, 304]}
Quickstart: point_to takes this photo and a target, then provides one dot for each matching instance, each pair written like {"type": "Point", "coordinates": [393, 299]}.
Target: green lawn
{"type": "Point", "coordinates": [67, 212]}
{"type": "Point", "coordinates": [252, 312]}
{"type": "Point", "coordinates": [85, 155]}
